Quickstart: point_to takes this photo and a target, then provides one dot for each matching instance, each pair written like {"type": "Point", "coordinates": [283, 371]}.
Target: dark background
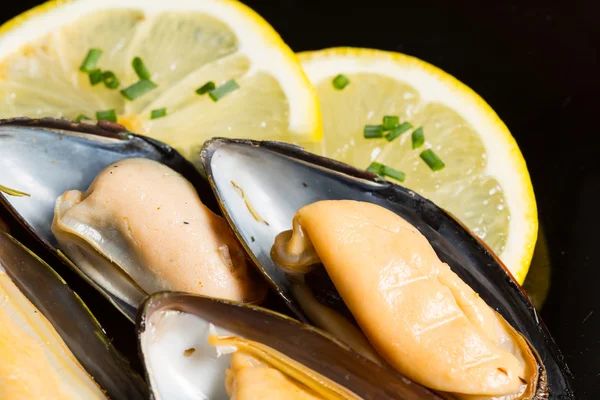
{"type": "Point", "coordinates": [538, 65]}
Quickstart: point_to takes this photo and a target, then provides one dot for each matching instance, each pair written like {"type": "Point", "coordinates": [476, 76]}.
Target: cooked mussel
{"type": "Point", "coordinates": [50, 345]}
{"type": "Point", "coordinates": [200, 347]}
{"type": "Point", "coordinates": [262, 185]}
{"type": "Point", "coordinates": [123, 211]}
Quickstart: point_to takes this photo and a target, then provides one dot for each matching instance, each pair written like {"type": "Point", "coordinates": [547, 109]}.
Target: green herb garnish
{"type": "Point", "coordinates": [207, 87]}
{"type": "Point", "coordinates": [393, 173]}
{"type": "Point", "coordinates": [376, 168]}
{"type": "Point", "coordinates": [107, 115]}
{"type": "Point", "coordinates": [340, 81]}
{"type": "Point", "coordinates": [13, 192]}
{"type": "Point", "coordinates": [95, 77]}
{"type": "Point", "coordinates": [390, 122]}
{"type": "Point", "coordinates": [90, 61]}
{"type": "Point", "coordinates": [383, 170]}
{"type": "Point", "coordinates": [418, 138]}
{"type": "Point", "coordinates": [397, 131]}
{"type": "Point", "coordinates": [140, 68]}
{"type": "Point", "coordinates": [158, 113]}
{"type": "Point", "coordinates": [223, 90]}
{"type": "Point", "coordinates": [110, 80]}
{"type": "Point", "coordinates": [432, 160]}
{"type": "Point", "coordinates": [373, 131]}
{"type": "Point", "coordinates": [138, 89]}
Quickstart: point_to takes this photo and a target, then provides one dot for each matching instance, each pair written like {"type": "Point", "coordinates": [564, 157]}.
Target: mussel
{"type": "Point", "coordinates": [280, 183]}
{"type": "Point", "coordinates": [51, 347]}
{"type": "Point", "coordinates": [259, 187]}
{"type": "Point", "coordinates": [129, 224]}
{"type": "Point", "coordinates": [194, 347]}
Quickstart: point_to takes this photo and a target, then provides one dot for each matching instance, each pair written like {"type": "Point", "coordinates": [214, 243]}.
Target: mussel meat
{"type": "Point", "coordinates": [418, 314]}
{"type": "Point", "coordinates": [51, 347]}
{"type": "Point", "coordinates": [146, 219]}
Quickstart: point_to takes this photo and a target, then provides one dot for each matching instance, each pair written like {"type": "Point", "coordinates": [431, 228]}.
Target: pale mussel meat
{"type": "Point", "coordinates": [332, 263]}
{"type": "Point", "coordinates": [51, 346]}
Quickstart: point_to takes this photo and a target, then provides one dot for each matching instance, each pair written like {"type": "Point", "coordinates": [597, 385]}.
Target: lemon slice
{"type": "Point", "coordinates": [184, 44]}
{"type": "Point", "coordinates": [485, 182]}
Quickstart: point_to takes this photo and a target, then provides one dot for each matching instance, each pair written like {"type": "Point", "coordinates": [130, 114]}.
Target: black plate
{"type": "Point", "coordinates": [538, 65]}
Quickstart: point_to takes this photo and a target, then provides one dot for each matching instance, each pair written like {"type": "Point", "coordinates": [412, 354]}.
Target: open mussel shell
{"type": "Point", "coordinates": [261, 185]}
{"type": "Point", "coordinates": [46, 157]}
{"type": "Point", "coordinates": [71, 319]}
{"type": "Point", "coordinates": [173, 330]}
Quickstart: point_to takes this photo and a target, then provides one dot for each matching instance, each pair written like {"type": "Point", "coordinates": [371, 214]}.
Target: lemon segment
{"type": "Point", "coordinates": [485, 182]}
{"type": "Point", "coordinates": [184, 44]}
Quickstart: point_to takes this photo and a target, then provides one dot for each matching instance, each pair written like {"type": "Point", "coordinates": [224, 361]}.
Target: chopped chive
{"type": "Point", "coordinates": [432, 160]}
{"type": "Point", "coordinates": [81, 117]}
{"type": "Point", "coordinates": [418, 138]}
{"type": "Point", "coordinates": [340, 81]}
{"type": "Point", "coordinates": [108, 115]}
{"type": "Point", "coordinates": [110, 80]}
{"type": "Point", "coordinates": [373, 131]}
{"type": "Point", "coordinates": [95, 77]}
{"type": "Point", "coordinates": [397, 131]}
{"type": "Point", "coordinates": [90, 61]}
{"type": "Point", "coordinates": [384, 170]}
{"type": "Point", "coordinates": [393, 173]}
{"type": "Point", "coordinates": [140, 68]}
{"type": "Point", "coordinates": [158, 113]}
{"type": "Point", "coordinates": [390, 122]}
{"type": "Point", "coordinates": [138, 89]}
{"type": "Point", "coordinates": [376, 168]}
{"type": "Point", "coordinates": [223, 90]}
{"type": "Point", "coordinates": [207, 87]}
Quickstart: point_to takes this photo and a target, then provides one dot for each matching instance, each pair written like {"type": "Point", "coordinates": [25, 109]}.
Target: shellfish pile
{"type": "Point", "coordinates": [389, 296]}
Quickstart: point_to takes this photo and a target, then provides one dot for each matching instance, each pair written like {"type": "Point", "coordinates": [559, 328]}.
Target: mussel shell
{"type": "Point", "coordinates": [280, 178]}
{"type": "Point", "coordinates": [46, 157]}
{"type": "Point", "coordinates": [305, 344]}
{"type": "Point", "coordinates": [71, 319]}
